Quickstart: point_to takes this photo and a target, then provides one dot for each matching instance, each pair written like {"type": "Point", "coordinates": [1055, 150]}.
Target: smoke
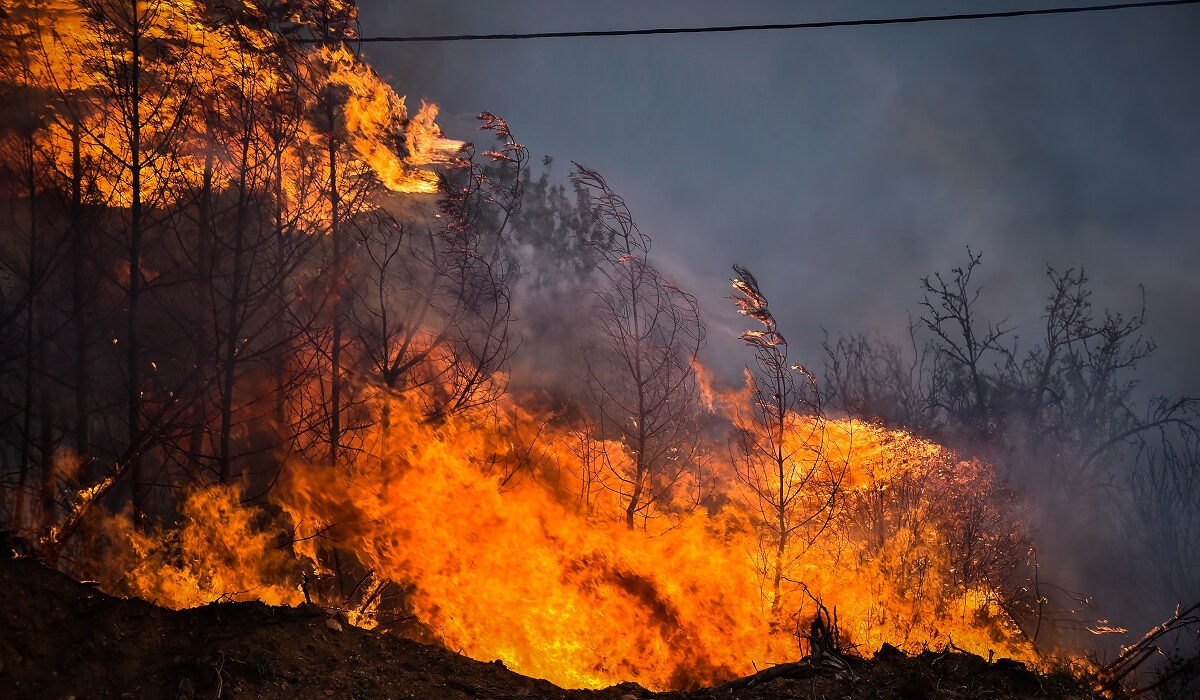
{"type": "Point", "coordinates": [839, 184]}
{"type": "Point", "coordinates": [842, 166]}
{"type": "Point", "coordinates": [846, 164]}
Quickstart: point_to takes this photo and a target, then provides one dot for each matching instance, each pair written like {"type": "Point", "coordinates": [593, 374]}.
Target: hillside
{"type": "Point", "coordinates": [62, 639]}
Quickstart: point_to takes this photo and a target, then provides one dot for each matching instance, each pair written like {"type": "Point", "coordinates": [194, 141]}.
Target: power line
{"type": "Point", "coordinates": [766, 27]}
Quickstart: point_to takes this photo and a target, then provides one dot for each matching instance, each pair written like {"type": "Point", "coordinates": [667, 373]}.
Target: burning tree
{"type": "Point", "coordinates": [480, 269]}
{"type": "Point", "coordinates": [642, 380]}
{"type": "Point", "coordinates": [145, 89]}
{"type": "Point", "coordinates": [431, 315]}
{"type": "Point", "coordinates": [237, 254]}
{"type": "Point", "coordinates": [780, 447]}
{"type": "Point", "coordinates": [178, 157]}
{"type": "Point", "coordinates": [331, 284]}
{"type": "Point", "coordinates": [27, 257]}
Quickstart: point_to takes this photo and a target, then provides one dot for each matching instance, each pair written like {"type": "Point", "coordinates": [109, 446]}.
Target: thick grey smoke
{"type": "Point", "coordinates": [842, 165]}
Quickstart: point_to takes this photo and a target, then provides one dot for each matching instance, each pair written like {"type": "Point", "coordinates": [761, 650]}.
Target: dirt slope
{"type": "Point", "coordinates": [62, 639]}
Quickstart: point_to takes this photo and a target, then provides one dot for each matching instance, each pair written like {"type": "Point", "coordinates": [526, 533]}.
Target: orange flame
{"type": "Point", "coordinates": [514, 569]}
{"type": "Point", "coordinates": [219, 551]}
{"type": "Point", "coordinates": [63, 55]}
{"type": "Point", "coordinates": [376, 122]}
{"type": "Point", "coordinates": [504, 523]}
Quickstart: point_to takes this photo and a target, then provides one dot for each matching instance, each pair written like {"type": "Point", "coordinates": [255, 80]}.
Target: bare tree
{"type": "Point", "coordinates": [1069, 398]}
{"type": "Point", "coordinates": [239, 248]}
{"type": "Point", "coordinates": [780, 447]}
{"type": "Point", "coordinates": [26, 259]}
{"type": "Point", "coordinates": [431, 313]}
{"type": "Point", "coordinates": [964, 346]}
{"type": "Point", "coordinates": [642, 380]}
{"type": "Point", "coordinates": [1164, 517]}
{"type": "Point", "coordinates": [1062, 417]}
{"type": "Point", "coordinates": [477, 208]}
{"type": "Point", "coordinates": [393, 315]}
{"type": "Point", "coordinates": [874, 376]}
{"type": "Point", "coordinates": [146, 85]}
{"type": "Point", "coordinates": [333, 23]}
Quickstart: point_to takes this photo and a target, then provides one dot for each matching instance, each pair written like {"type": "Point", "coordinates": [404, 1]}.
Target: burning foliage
{"type": "Point", "coordinates": [916, 554]}
{"type": "Point", "coordinates": [285, 309]}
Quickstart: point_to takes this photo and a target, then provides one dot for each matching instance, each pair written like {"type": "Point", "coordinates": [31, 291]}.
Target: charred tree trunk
{"type": "Point", "coordinates": [233, 324]}
{"type": "Point", "coordinates": [31, 330]}
{"type": "Point", "coordinates": [282, 345]}
{"type": "Point", "coordinates": [133, 353]}
{"type": "Point", "coordinates": [206, 344]}
{"type": "Point", "coordinates": [336, 284]}
{"type": "Point", "coordinates": [46, 450]}
{"type": "Point", "coordinates": [80, 252]}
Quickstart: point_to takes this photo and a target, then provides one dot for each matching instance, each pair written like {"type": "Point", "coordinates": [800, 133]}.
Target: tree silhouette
{"type": "Point", "coordinates": [642, 379]}
{"type": "Point", "coordinates": [780, 446]}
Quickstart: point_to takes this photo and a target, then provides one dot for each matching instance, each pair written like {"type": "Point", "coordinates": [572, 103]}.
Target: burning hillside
{"type": "Point", "coordinates": [267, 333]}
{"type": "Point", "coordinates": [250, 650]}
{"type": "Point", "coordinates": [440, 545]}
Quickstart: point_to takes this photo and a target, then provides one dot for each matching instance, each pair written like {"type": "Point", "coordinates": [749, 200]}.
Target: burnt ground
{"type": "Point", "coordinates": [62, 639]}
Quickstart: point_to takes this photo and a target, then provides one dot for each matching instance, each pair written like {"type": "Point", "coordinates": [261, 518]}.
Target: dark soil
{"type": "Point", "coordinates": [63, 639]}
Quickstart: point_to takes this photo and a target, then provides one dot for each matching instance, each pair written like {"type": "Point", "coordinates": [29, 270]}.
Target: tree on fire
{"type": "Point", "coordinates": [169, 168]}
{"type": "Point", "coordinates": [145, 90]}
{"type": "Point", "coordinates": [642, 378]}
{"type": "Point", "coordinates": [925, 523]}
{"type": "Point", "coordinates": [240, 254]}
{"type": "Point", "coordinates": [779, 448]}
{"type": "Point", "coordinates": [27, 256]}
{"type": "Point", "coordinates": [433, 307]}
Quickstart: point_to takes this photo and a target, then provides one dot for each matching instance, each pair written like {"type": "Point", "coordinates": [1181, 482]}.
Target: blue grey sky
{"type": "Point", "coordinates": [841, 165]}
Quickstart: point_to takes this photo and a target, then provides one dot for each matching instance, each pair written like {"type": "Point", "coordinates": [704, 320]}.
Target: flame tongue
{"type": "Point", "coordinates": [517, 572]}
{"type": "Point", "coordinates": [377, 123]}
{"type": "Point", "coordinates": [513, 573]}
{"type": "Point", "coordinates": [426, 143]}
{"type": "Point", "coordinates": [516, 575]}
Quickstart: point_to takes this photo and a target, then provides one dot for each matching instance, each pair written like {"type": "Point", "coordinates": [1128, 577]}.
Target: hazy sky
{"type": "Point", "coordinates": [840, 165]}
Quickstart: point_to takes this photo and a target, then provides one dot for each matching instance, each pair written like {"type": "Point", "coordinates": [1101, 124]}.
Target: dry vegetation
{"type": "Point", "coordinates": [267, 335]}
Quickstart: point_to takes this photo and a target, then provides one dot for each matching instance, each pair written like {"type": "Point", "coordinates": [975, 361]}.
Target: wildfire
{"type": "Point", "coordinates": [233, 70]}
{"type": "Point", "coordinates": [515, 570]}
{"type": "Point", "coordinates": [376, 123]}
{"type": "Point", "coordinates": [499, 527]}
